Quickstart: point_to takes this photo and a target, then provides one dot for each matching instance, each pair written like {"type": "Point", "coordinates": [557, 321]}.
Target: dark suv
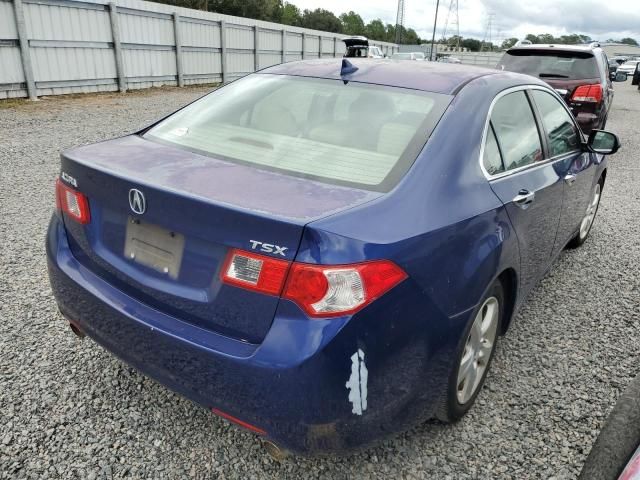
{"type": "Point", "coordinates": [579, 73]}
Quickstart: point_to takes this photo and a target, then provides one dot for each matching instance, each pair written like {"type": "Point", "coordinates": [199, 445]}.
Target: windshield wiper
{"type": "Point", "coordinates": [556, 75]}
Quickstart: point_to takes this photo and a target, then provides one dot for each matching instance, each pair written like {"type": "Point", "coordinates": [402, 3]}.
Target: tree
{"type": "Point", "coordinates": [410, 37]}
{"type": "Point", "coordinates": [471, 44]}
{"type": "Point", "coordinates": [509, 42]}
{"type": "Point", "coordinates": [546, 38]}
{"type": "Point", "coordinates": [290, 15]}
{"type": "Point", "coordinates": [375, 30]}
{"type": "Point", "coordinates": [532, 38]}
{"type": "Point", "coordinates": [267, 10]}
{"type": "Point", "coordinates": [352, 23]}
{"type": "Point", "coordinates": [321, 19]}
{"type": "Point", "coordinates": [629, 41]}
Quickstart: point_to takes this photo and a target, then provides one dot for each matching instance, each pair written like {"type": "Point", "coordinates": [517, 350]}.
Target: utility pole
{"type": "Point", "coordinates": [433, 37]}
{"type": "Point", "coordinates": [399, 21]}
{"type": "Point", "coordinates": [455, 13]}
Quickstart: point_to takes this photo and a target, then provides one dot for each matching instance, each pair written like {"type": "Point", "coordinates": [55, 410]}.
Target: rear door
{"type": "Point", "coordinates": [529, 186]}
{"type": "Point", "coordinates": [565, 150]}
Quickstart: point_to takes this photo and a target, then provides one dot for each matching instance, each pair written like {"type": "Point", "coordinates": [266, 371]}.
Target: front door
{"type": "Point", "coordinates": [575, 166]}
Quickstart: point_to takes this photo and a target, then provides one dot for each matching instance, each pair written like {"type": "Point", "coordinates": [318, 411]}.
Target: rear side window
{"type": "Point", "coordinates": [562, 134]}
{"type": "Point", "coordinates": [551, 64]}
{"type": "Point", "coordinates": [491, 159]}
{"type": "Point", "coordinates": [351, 134]}
{"type": "Point", "coordinates": [516, 130]}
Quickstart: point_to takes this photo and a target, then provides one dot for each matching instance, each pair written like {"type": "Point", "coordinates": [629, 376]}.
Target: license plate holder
{"type": "Point", "coordinates": [154, 247]}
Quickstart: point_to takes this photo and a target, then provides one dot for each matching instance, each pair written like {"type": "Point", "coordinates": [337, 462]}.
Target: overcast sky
{"type": "Point", "coordinates": [511, 18]}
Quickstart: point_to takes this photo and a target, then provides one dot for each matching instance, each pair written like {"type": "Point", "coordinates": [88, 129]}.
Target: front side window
{"type": "Point", "coordinates": [352, 134]}
{"type": "Point", "coordinates": [562, 134]}
{"type": "Point", "coordinates": [516, 130]}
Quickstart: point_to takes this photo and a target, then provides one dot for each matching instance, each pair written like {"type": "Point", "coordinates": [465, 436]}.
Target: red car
{"type": "Point", "coordinates": [579, 73]}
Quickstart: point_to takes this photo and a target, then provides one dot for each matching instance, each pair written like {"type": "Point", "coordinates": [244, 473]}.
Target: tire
{"type": "Point", "coordinates": [592, 210]}
{"type": "Point", "coordinates": [456, 402]}
{"type": "Point", "coordinates": [618, 440]}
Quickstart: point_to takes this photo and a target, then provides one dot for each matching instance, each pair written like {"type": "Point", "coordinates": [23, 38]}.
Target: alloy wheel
{"type": "Point", "coordinates": [477, 350]}
{"type": "Point", "coordinates": [590, 215]}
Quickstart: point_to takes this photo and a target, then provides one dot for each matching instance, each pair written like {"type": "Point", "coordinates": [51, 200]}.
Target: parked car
{"type": "Point", "coordinates": [628, 67]}
{"type": "Point", "coordinates": [613, 68]}
{"type": "Point", "coordinates": [309, 253]}
{"type": "Point", "coordinates": [579, 73]}
{"type": "Point", "coordinates": [616, 452]}
{"type": "Point", "coordinates": [408, 56]}
{"type": "Point", "coordinates": [635, 80]}
{"type": "Point", "coordinates": [449, 59]}
{"type": "Point", "coordinates": [358, 46]}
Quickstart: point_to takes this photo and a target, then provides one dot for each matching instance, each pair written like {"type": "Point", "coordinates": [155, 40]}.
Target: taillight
{"type": "Point", "coordinates": [331, 291]}
{"type": "Point", "coordinates": [320, 290]}
{"type": "Point", "coordinates": [72, 202]}
{"type": "Point", "coordinates": [588, 93]}
{"type": "Point", "coordinates": [255, 272]}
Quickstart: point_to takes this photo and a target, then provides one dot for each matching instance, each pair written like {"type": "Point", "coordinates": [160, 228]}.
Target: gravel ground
{"type": "Point", "coordinates": [69, 409]}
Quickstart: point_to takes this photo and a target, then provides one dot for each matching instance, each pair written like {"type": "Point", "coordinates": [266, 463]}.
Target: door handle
{"type": "Point", "coordinates": [524, 198]}
{"type": "Point", "coordinates": [569, 178]}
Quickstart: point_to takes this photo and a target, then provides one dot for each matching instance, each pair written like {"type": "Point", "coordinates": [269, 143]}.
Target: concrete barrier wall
{"type": "Point", "coordinates": [52, 47]}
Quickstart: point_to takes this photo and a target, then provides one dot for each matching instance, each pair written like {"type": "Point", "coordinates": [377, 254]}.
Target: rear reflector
{"type": "Point", "coordinates": [239, 422]}
{"type": "Point", "coordinates": [320, 290]}
{"type": "Point", "coordinates": [255, 272]}
{"type": "Point", "coordinates": [72, 202]}
{"type": "Point", "coordinates": [588, 93]}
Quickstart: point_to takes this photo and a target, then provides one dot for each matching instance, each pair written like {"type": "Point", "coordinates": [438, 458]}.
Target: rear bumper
{"type": "Point", "coordinates": [294, 384]}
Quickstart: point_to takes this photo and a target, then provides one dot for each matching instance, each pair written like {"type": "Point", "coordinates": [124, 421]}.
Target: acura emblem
{"type": "Point", "coordinates": [137, 201]}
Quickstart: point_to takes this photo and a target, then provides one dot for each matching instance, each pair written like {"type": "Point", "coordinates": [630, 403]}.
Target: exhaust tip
{"type": "Point", "coordinates": [277, 453]}
{"type": "Point", "coordinates": [75, 329]}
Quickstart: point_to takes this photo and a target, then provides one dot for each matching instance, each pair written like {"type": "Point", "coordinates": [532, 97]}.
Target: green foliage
{"type": "Point", "coordinates": [290, 15]}
{"type": "Point", "coordinates": [352, 23]}
{"type": "Point", "coordinates": [375, 30]}
{"type": "Point", "coordinates": [321, 19]}
{"type": "Point", "coordinates": [472, 44]}
{"type": "Point", "coordinates": [629, 41]}
{"type": "Point", "coordinates": [508, 43]}
{"type": "Point", "coordinates": [258, 9]}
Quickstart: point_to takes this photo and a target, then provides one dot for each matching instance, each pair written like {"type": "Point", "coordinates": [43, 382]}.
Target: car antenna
{"type": "Point", "coordinates": [347, 69]}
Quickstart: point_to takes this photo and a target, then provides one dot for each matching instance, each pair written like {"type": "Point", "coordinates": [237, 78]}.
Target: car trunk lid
{"type": "Point", "coordinates": [163, 220]}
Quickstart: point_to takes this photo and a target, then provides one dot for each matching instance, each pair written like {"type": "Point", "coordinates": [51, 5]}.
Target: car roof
{"type": "Point", "coordinates": [555, 46]}
{"type": "Point", "coordinates": [434, 77]}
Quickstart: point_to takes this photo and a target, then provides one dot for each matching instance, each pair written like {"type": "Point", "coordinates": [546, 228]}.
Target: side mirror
{"type": "Point", "coordinates": [620, 77]}
{"type": "Point", "coordinates": [603, 142]}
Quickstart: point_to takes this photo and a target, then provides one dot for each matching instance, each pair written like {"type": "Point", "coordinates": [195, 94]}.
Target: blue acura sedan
{"type": "Point", "coordinates": [325, 252]}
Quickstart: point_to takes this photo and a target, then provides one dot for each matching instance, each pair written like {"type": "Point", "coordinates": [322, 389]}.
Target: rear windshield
{"type": "Point", "coordinates": [351, 134]}
{"type": "Point", "coordinates": [551, 64]}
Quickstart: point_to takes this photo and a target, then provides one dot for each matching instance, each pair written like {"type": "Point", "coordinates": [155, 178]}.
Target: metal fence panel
{"type": "Point", "coordinates": [141, 29]}
{"type": "Point", "coordinates": [270, 40]}
{"type": "Point", "coordinates": [68, 46]}
{"type": "Point", "coordinates": [239, 37]}
{"type": "Point", "coordinates": [57, 22]}
{"type": "Point", "coordinates": [7, 22]}
{"type": "Point", "coordinates": [294, 42]}
{"type": "Point", "coordinates": [72, 63]}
